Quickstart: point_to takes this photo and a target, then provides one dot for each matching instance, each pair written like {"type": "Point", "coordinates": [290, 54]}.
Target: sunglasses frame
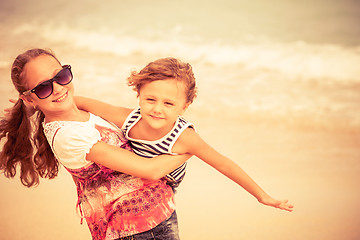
{"type": "Point", "coordinates": [51, 81]}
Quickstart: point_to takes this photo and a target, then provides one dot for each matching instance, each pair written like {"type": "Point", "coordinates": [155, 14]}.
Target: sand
{"type": "Point", "coordinates": [317, 170]}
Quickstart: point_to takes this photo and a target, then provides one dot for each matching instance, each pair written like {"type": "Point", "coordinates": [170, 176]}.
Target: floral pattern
{"type": "Point", "coordinates": [115, 204]}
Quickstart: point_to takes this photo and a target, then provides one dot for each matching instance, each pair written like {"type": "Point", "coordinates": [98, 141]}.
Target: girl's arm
{"type": "Point", "coordinates": [128, 162]}
{"type": "Point", "coordinates": [114, 114]}
{"type": "Point", "coordinates": [198, 147]}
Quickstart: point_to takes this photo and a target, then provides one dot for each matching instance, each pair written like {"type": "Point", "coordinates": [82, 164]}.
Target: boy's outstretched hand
{"type": "Point", "coordinates": [281, 204]}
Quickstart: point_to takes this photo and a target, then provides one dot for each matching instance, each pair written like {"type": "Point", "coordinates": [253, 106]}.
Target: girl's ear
{"type": "Point", "coordinates": [28, 101]}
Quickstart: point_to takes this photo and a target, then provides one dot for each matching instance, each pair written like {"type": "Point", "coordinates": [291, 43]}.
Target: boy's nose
{"type": "Point", "coordinates": [157, 108]}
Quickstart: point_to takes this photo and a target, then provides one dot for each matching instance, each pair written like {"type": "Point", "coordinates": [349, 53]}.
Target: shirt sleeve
{"type": "Point", "coordinates": [72, 143]}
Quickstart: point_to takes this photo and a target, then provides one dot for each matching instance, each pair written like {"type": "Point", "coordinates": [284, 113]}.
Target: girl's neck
{"type": "Point", "coordinates": [74, 115]}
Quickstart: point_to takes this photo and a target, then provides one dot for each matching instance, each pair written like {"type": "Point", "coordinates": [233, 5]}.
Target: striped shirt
{"type": "Point", "coordinates": [164, 145]}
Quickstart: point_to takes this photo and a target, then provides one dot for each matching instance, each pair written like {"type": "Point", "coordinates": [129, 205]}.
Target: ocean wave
{"type": "Point", "coordinates": [294, 60]}
{"type": "Point", "coordinates": [262, 79]}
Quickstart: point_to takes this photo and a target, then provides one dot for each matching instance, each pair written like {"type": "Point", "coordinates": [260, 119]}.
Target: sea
{"type": "Point", "coordinates": [292, 60]}
{"type": "Point", "coordinates": [293, 64]}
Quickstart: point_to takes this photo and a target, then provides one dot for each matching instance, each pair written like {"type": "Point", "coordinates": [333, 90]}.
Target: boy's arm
{"type": "Point", "coordinates": [111, 113]}
{"type": "Point", "coordinates": [128, 162]}
{"type": "Point", "coordinates": [197, 146]}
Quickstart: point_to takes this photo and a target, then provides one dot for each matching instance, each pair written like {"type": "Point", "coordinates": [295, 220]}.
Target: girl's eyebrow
{"type": "Point", "coordinates": [56, 71]}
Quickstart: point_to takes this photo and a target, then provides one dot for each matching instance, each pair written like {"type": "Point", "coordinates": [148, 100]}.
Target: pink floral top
{"type": "Point", "coordinates": [114, 204]}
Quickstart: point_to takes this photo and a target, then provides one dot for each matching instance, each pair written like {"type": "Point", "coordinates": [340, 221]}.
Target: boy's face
{"type": "Point", "coordinates": [161, 102]}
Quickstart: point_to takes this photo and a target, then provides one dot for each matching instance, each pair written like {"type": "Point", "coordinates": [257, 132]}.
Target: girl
{"type": "Point", "coordinates": [166, 88]}
{"type": "Point", "coordinates": [115, 205]}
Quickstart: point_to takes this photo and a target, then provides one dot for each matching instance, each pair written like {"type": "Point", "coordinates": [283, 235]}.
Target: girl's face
{"type": "Point", "coordinates": [161, 102]}
{"type": "Point", "coordinates": [38, 70]}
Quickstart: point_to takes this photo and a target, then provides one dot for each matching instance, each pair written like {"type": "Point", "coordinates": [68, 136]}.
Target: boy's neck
{"type": "Point", "coordinates": [145, 132]}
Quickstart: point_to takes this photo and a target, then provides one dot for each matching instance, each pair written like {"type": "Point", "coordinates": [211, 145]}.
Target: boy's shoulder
{"type": "Point", "coordinates": [125, 111]}
{"type": "Point", "coordinates": [185, 141]}
{"type": "Point", "coordinates": [124, 114]}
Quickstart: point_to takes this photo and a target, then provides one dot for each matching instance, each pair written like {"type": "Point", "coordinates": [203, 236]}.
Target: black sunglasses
{"type": "Point", "coordinates": [46, 88]}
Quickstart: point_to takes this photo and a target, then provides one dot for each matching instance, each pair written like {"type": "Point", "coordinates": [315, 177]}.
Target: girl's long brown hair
{"type": "Point", "coordinates": [25, 145]}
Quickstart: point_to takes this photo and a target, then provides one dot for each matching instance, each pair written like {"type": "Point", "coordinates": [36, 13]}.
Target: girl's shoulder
{"type": "Point", "coordinates": [72, 140]}
{"type": "Point", "coordinates": [51, 128]}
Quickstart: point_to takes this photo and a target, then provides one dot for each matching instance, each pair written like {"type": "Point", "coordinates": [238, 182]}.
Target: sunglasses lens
{"type": "Point", "coordinates": [64, 76]}
{"type": "Point", "coordinates": [44, 89]}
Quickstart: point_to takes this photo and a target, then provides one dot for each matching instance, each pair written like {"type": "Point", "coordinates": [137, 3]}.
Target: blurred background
{"type": "Point", "coordinates": [278, 93]}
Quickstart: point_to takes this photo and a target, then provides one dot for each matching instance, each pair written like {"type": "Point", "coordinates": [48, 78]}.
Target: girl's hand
{"type": "Point", "coordinates": [281, 204]}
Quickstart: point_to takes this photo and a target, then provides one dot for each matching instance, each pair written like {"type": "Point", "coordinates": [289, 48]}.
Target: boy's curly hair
{"type": "Point", "coordinates": [164, 69]}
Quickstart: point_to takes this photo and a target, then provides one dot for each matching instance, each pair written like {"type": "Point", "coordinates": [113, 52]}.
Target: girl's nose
{"type": "Point", "coordinates": [57, 88]}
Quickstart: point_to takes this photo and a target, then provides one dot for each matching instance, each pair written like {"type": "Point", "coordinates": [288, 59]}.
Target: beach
{"type": "Point", "coordinates": [318, 171]}
{"type": "Point", "coordinates": [276, 96]}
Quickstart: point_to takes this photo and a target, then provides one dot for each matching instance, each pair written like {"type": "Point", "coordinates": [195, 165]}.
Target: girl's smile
{"type": "Point", "coordinates": [62, 97]}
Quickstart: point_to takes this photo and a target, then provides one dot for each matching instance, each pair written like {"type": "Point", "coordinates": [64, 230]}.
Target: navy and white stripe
{"type": "Point", "coordinates": [164, 145]}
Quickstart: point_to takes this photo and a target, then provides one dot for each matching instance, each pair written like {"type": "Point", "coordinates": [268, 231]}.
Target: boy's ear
{"type": "Point", "coordinates": [185, 107]}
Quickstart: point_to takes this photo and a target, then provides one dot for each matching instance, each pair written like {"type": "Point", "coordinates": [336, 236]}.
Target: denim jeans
{"type": "Point", "coordinates": [167, 230]}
